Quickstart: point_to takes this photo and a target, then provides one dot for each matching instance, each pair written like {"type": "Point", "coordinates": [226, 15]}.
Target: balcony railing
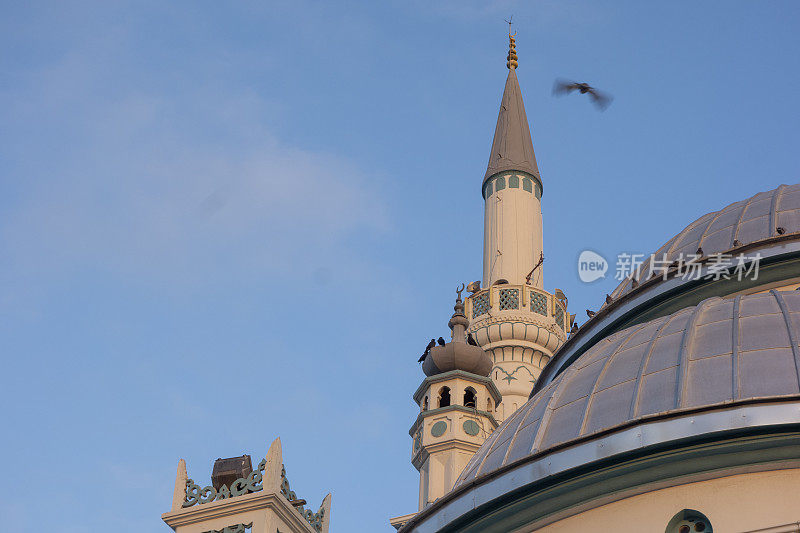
{"type": "Point", "coordinates": [514, 298]}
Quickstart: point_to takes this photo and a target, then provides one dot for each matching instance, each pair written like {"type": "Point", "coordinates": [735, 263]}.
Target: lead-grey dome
{"type": "Point", "coordinates": [721, 352]}
{"type": "Point", "coordinates": [457, 354]}
{"type": "Point", "coordinates": [738, 225]}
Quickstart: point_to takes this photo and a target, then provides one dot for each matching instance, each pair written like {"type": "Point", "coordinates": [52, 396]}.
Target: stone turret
{"type": "Point", "coordinates": [457, 402]}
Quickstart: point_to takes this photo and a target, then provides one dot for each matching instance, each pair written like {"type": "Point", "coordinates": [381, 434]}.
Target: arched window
{"type": "Point", "coordinates": [425, 404]}
{"type": "Point", "coordinates": [689, 521]}
{"type": "Point", "coordinates": [470, 397]}
{"type": "Point", "coordinates": [444, 396]}
{"type": "Point", "coordinates": [489, 404]}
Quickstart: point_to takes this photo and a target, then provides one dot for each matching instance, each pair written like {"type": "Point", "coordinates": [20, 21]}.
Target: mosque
{"type": "Point", "coordinates": [675, 407]}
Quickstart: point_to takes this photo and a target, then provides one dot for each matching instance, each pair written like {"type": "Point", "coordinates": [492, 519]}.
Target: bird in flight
{"type": "Point", "coordinates": [599, 98]}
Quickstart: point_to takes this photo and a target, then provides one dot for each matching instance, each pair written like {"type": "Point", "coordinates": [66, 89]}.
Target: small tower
{"type": "Point", "coordinates": [457, 401]}
{"type": "Point", "coordinates": [241, 499]}
{"type": "Point", "coordinates": [512, 317]}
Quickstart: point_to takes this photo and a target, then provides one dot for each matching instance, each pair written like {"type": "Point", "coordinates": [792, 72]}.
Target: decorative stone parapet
{"type": "Point", "coordinates": [520, 326]}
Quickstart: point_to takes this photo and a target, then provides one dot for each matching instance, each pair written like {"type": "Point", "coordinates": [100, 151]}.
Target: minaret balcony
{"type": "Point", "coordinates": [504, 303]}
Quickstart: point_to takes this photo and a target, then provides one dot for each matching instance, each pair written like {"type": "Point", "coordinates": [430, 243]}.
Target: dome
{"type": "Point", "coordinates": [763, 229]}
{"type": "Point", "coordinates": [739, 225]}
{"type": "Point", "coordinates": [720, 353]}
{"type": "Point", "coordinates": [457, 354]}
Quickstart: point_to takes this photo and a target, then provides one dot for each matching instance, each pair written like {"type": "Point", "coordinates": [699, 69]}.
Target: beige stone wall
{"type": "Point", "coordinates": [441, 458]}
{"type": "Point", "coordinates": [734, 504]}
{"type": "Point", "coordinates": [512, 235]}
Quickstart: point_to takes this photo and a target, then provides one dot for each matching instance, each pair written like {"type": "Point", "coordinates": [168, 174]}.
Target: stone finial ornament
{"type": "Point", "coordinates": [511, 60]}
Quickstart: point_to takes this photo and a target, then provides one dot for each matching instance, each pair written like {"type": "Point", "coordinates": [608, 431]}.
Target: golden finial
{"type": "Point", "coordinates": [511, 60]}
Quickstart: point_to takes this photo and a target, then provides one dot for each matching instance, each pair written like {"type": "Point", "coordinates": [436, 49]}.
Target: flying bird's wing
{"type": "Point", "coordinates": [600, 99]}
{"type": "Point", "coordinates": [561, 87]}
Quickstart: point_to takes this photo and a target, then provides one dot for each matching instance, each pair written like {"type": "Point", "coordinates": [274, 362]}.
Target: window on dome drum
{"type": "Point", "coordinates": [444, 396]}
{"type": "Point", "coordinates": [425, 404]}
{"type": "Point", "coordinates": [501, 183]}
{"type": "Point", "coordinates": [469, 397]}
{"type": "Point", "coordinates": [513, 181]}
{"type": "Point", "coordinates": [689, 521]}
{"type": "Point", "coordinates": [489, 404]}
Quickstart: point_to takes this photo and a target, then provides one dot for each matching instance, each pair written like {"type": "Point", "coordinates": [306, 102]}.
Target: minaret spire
{"type": "Point", "coordinates": [512, 147]}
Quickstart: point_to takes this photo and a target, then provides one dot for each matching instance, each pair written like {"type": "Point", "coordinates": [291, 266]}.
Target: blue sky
{"type": "Point", "coordinates": [222, 222]}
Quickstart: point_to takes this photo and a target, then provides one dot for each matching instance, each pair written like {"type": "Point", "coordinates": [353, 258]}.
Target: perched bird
{"type": "Point", "coordinates": [780, 230]}
{"type": "Point", "coordinates": [609, 299]}
{"type": "Point", "coordinates": [574, 328]}
{"type": "Point", "coordinates": [427, 351]}
{"type": "Point", "coordinates": [736, 243]}
{"type": "Point", "coordinates": [699, 252]}
{"type": "Point", "coordinates": [440, 341]}
{"type": "Point", "coordinates": [471, 340]}
{"type": "Point", "coordinates": [600, 99]}
{"type": "Point", "coordinates": [590, 314]}
{"type": "Point", "coordinates": [634, 283]}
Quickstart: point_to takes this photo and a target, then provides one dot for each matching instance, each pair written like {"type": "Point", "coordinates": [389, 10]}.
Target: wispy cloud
{"type": "Point", "coordinates": [176, 187]}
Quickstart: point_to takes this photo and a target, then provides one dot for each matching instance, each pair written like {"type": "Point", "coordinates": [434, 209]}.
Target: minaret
{"type": "Point", "coordinates": [457, 402]}
{"type": "Point", "coordinates": [512, 316]}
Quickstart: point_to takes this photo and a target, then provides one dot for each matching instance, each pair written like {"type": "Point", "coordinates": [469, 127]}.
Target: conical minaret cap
{"type": "Point", "coordinates": [512, 147]}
